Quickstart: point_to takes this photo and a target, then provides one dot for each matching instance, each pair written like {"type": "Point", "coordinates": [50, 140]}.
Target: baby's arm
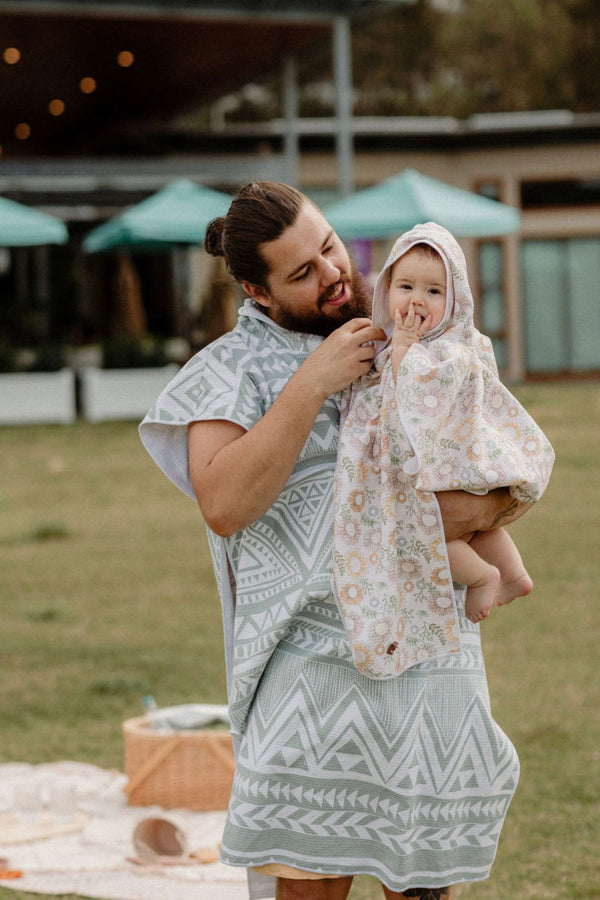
{"type": "Point", "coordinates": [407, 331]}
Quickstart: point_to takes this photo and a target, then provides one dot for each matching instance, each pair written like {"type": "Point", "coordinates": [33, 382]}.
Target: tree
{"type": "Point", "coordinates": [461, 57]}
{"type": "Point", "coordinates": [508, 55]}
{"type": "Point", "coordinates": [395, 60]}
{"type": "Point", "coordinates": [582, 69]}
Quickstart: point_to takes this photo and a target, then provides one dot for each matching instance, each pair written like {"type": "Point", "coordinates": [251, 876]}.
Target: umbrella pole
{"type": "Point", "coordinates": [180, 283]}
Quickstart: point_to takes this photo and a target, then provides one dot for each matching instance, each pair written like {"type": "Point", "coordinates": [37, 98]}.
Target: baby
{"type": "Point", "coordinates": [488, 563]}
{"type": "Point", "coordinates": [432, 416]}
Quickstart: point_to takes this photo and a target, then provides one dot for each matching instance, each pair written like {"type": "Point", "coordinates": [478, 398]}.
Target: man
{"type": "Point", "coordinates": [406, 779]}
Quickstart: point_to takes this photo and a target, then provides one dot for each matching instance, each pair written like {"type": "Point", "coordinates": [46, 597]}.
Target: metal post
{"type": "Point", "coordinates": [290, 111]}
{"type": "Point", "coordinates": [514, 300]}
{"type": "Point", "coordinates": [342, 58]}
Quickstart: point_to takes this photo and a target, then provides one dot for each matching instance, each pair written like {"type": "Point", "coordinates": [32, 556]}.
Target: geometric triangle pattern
{"type": "Point", "coordinates": [407, 779]}
{"type": "Point", "coordinates": [282, 559]}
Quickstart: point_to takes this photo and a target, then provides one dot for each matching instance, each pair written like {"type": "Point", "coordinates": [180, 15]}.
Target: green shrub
{"type": "Point", "coordinates": [48, 358]}
{"type": "Point", "coordinates": [125, 352]}
{"type": "Point", "coordinates": [8, 357]}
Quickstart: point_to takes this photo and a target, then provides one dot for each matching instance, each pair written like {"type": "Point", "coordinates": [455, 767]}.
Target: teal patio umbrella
{"type": "Point", "coordinates": [410, 198]}
{"type": "Point", "coordinates": [177, 214]}
{"type": "Point", "coordinates": [23, 226]}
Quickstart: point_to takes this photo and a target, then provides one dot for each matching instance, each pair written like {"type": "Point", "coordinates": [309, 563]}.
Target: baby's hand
{"type": "Point", "coordinates": [410, 329]}
{"type": "Point", "coordinates": [407, 331]}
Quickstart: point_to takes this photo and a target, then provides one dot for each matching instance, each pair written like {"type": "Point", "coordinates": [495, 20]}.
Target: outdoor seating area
{"type": "Point", "coordinates": [167, 222]}
{"type": "Point", "coordinates": [173, 218]}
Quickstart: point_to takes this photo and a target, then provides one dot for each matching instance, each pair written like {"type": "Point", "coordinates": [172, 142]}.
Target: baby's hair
{"type": "Point", "coordinates": [422, 247]}
{"type": "Point", "coordinates": [426, 249]}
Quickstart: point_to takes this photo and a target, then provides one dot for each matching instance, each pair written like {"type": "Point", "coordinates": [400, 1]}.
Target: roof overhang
{"type": "Point", "coordinates": [185, 54]}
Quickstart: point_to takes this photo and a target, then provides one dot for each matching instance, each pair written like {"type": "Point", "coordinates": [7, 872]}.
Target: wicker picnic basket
{"type": "Point", "coordinates": [191, 769]}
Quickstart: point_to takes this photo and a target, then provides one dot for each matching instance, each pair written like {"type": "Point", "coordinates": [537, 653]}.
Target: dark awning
{"type": "Point", "coordinates": [182, 55]}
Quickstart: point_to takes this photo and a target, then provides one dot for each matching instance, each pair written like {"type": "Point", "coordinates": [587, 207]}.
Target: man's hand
{"type": "Point", "coordinates": [238, 474]}
{"type": "Point", "coordinates": [463, 514]}
{"type": "Point", "coordinates": [343, 357]}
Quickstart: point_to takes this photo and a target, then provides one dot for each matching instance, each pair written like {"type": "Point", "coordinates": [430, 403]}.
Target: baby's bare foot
{"type": "Point", "coordinates": [517, 587]}
{"type": "Point", "coordinates": [480, 596]}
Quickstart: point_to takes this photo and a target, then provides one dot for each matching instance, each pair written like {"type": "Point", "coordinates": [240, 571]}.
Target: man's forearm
{"type": "Point", "coordinates": [463, 513]}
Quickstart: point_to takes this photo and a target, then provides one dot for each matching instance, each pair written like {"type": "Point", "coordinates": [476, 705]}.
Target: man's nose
{"type": "Point", "coordinates": [329, 273]}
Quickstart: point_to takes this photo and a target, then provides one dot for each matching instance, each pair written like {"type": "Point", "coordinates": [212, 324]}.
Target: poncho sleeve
{"type": "Point", "coordinates": [466, 430]}
{"type": "Point", "coordinates": [432, 384]}
{"type": "Point", "coordinates": [212, 385]}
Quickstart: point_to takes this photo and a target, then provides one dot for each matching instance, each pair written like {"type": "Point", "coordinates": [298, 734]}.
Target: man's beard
{"type": "Point", "coordinates": [324, 323]}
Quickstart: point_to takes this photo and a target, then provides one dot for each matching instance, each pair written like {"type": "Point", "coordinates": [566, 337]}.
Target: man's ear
{"type": "Point", "coordinates": [257, 293]}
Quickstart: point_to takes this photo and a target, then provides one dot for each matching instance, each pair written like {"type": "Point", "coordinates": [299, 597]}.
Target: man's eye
{"type": "Point", "coordinates": [302, 276]}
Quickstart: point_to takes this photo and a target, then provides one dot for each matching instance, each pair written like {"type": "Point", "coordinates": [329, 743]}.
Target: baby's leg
{"type": "Point", "coordinates": [498, 548]}
{"type": "Point", "coordinates": [481, 579]}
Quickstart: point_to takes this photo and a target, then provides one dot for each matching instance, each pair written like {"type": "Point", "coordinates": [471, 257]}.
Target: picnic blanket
{"type": "Point", "coordinates": [67, 828]}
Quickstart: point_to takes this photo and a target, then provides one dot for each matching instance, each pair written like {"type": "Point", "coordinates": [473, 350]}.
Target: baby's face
{"type": "Point", "coordinates": [418, 278]}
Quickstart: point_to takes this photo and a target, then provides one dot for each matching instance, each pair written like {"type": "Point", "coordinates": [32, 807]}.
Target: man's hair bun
{"type": "Point", "coordinates": [213, 240]}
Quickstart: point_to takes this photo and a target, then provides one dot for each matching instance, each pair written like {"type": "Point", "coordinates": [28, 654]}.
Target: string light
{"type": "Point", "coordinates": [22, 131]}
{"type": "Point", "coordinates": [125, 59]}
{"type": "Point", "coordinates": [56, 107]}
{"type": "Point", "coordinates": [11, 56]}
{"type": "Point", "coordinates": [87, 85]}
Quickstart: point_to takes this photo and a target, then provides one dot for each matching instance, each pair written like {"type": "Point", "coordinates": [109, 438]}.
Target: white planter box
{"type": "Point", "coordinates": [111, 394]}
{"type": "Point", "coordinates": [37, 398]}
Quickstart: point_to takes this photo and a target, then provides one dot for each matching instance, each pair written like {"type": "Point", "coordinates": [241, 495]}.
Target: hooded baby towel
{"type": "Point", "coordinates": [447, 423]}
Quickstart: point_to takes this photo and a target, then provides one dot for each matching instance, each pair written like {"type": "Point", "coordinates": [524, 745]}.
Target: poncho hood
{"type": "Point", "coordinates": [459, 301]}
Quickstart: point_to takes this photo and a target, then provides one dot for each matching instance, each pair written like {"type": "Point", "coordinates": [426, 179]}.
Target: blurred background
{"type": "Point", "coordinates": [125, 128]}
{"type": "Point", "coordinates": [103, 105]}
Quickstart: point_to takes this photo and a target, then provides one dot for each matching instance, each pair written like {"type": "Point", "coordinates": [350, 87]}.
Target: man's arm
{"type": "Point", "coordinates": [236, 474]}
{"type": "Point", "coordinates": [464, 513]}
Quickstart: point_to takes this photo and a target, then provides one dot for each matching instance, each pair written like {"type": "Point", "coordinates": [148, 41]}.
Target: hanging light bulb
{"type": "Point", "coordinates": [22, 131]}
{"type": "Point", "coordinates": [125, 59]}
{"type": "Point", "coordinates": [87, 85]}
{"type": "Point", "coordinates": [11, 56]}
{"type": "Point", "coordinates": [56, 107]}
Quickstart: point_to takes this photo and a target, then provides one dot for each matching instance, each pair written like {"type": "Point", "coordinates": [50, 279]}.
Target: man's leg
{"type": "Point", "coordinates": [418, 894]}
{"type": "Point", "coordinates": [319, 889]}
{"type": "Point", "coordinates": [338, 889]}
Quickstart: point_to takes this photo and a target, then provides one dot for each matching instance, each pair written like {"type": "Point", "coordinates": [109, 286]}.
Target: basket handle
{"type": "Point", "coordinates": [151, 763]}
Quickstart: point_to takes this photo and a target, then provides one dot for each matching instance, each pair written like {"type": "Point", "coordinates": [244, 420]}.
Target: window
{"type": "Point", "coordinates": [561, 308]}
{"type": "Point", "coordinates": [493, 311]}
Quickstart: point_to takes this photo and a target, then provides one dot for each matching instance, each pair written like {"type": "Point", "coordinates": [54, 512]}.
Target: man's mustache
{"type": "Point", "coordinates": [345, 280]}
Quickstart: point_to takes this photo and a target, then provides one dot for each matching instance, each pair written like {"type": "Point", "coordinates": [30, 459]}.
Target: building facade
{"type": "Point", "coordinates": [536, 291]}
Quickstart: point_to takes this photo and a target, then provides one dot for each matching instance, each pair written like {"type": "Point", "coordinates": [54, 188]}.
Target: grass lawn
{"type": "Point", "coordinates": [108, 595]}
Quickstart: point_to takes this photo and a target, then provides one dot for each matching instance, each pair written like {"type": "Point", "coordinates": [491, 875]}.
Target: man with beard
{"type": "Point", "coordinates": [337, 774]}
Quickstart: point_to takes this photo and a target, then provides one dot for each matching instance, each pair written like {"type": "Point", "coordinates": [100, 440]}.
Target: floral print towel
{"type": "Point", "coordinates": [447, 423]}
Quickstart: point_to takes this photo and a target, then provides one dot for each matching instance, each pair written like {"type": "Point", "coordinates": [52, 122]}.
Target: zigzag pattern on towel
{"type": "Point", "coordinates": [342, 774]}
